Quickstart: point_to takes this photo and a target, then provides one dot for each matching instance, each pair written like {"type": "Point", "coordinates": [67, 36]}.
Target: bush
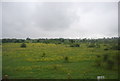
{"type": "Point", "coordinates": [66, 59]}
{"type": "Point", "coordinates": [106, 49]}
{"type": "Point", "coordinates": [55, 67]}
{"type": "Point", "coordinates": [74, 45]}
{"type": "Point", "coordinates": [69, 76]}
{"type": "Point", "coordinates": [43, 55]}
{"type": "Point", "coordinates": [23, 45]}
{"type": "Point", "coordinates": [110, 64]}
{"type": "Point", "coordinates": [117, 57]}
{"type": "Point", "coordinates": [98, 56]}
{"type": "Point", "coordinates": [98, 60]}
{"type": "Point", "coordinates": [105, 57]}
{"type": "Point", "coordinates": [91, 45]}
{"type": "Point", "coordinates": [107, 61]}
{"type": "Point", "coordinates": [115, 47]}
{"type": "Point", "coordinates": [97, 45]}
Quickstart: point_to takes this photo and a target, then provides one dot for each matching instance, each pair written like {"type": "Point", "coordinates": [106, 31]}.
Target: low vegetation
{"type": "Point", "coordinates": [108, 61]}
{"type": "Point", "coordinates": [74, 45]}
{"type": "Point", "coordinates": [60, 58]}
{"type": "Point", "coordinates": [23, 45]}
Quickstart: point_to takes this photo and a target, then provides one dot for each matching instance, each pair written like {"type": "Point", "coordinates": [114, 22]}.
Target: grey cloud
{"type": "Point", "coordinates": [50, 16]}
{"type": "Point", "coordinates": [54, 16]}
{"type": "Point", "coordinates": [0, 20]}
{"type": "Point", "coordinates": [64, 19]}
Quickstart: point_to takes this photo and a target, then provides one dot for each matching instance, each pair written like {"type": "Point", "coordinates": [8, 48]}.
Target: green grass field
{"type": "Point", "coordinates": [0, 61]}
{"type": "Point", "coordinates": [28, 63]}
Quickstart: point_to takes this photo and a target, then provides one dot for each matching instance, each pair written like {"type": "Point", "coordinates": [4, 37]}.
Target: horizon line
{"type": "Point", "coordinates": [60, 37]}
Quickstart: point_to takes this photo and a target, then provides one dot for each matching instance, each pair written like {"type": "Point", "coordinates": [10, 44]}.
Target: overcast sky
{"type": "Point", "coordinates": [59, 19]}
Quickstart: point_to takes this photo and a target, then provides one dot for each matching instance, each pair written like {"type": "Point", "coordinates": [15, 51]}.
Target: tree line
{"type": "Point", "coordinates": [62, 40]}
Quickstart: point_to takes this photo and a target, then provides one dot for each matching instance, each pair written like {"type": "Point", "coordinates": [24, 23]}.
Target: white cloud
{"type": "Point", "coordinates": [69, 20]}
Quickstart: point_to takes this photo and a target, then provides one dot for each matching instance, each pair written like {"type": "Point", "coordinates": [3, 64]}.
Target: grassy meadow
{"type": "Point", "coordinates": [0, 60]}
{"type": "Point", "coordinates": [47, 61]}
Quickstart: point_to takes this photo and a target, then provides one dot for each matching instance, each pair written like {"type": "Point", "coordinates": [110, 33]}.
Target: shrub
{"type": "Point", "coordinates": [91, 45]}
{"type": "Point", "coordinates": [105, 57]}
{"type": "Point", "coordinates": [98, 56]}
{"type": "Point", "coordinates": [106, 49]}
{"type": "Point", "coordinates": [23, 45]}
{"type": "Point", "coordinates": [115, 47]}
{"type": "Point", "coordinates": [107, 61]}
{"type": "Point", "coordinates": [74, 45]}
{"type": "Point", "coordinates": [59, 42]}
{"type": "Point", "coordinates": [43, 55]}
{"type": "Point", "coordinates": [104, 45]}
{"type": "Point", "coordinates": [55, 67]}
{"type": "Point", "coordinates": [97, 46]}
{"type": "Point", "coordinates": [66, 59]}
{"type": "Point", "coordinates": [110, 64]}
{"type": "Point", "coordinates": [98, 60]}
{"type": "Point", "coordinates": [117, 57]}
{"type": "Point", "coordinates": [69, 76]}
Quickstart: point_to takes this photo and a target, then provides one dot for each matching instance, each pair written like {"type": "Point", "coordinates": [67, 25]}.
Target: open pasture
{"type": "Point", "coordinates": [47, 61]}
